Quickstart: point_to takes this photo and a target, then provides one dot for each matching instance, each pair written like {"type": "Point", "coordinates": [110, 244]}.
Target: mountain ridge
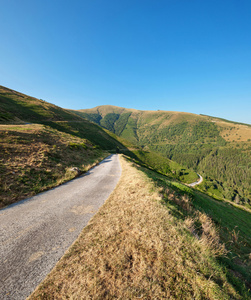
{"type": "Point", "coordinates": [216, 148]}
{"type": "Point", "coordinates": [119, 108]}
{"type": "Point", "coordinates": [19, 116]}
{"type": "Point", "coordinates": [43, 145]}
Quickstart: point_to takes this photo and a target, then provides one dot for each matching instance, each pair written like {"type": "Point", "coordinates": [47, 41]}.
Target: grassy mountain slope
{"type": "Point", "coordinates": [41, 133]}
{"type": "Point", "coordinates": [154, 239]}
{"type": "Point", "coordinates": [216, 148]}
{"type": "Point", "coordinates": [35, 157]}
{"type": "Point", "coordinates": [19, 108]}
{"type": "Point", "coordinates": [40, 143]}
{"type": "Point", "coordinates": [15, 105]}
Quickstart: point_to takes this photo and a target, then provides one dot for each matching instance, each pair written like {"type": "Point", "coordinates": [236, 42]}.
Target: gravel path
{"type": "Point", "coordinates": [197, 182]}
{"type": "Point", "coordinates": [36, 232]}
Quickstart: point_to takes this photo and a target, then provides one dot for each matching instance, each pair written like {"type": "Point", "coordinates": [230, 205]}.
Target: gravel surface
{"type": "Point", "coordinates": [36, 232]}
{"type": "Point", "coordinates": [197, 182]}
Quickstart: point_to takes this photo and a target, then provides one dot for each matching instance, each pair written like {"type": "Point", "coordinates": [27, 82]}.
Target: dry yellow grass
{"type": "Point", "coordinates": [237, 132]}
{"type": "Point", "coordinates": [34, 158]}
{"type": "Point", "coordinates": [134, 249]}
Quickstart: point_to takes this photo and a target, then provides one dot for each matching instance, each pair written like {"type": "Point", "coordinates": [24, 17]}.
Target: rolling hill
{"type": "Point", "coordinates": [218, 149]}
{"type": "Point", "coordinates": [41, 142]}
{"type": "Point", "coordinates": [17, 108]}
{"type": "Point", "coordinates": [43, 145]}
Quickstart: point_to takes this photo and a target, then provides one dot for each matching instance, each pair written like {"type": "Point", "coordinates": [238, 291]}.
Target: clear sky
{"type": "Point", "coordinates": [179, 55]}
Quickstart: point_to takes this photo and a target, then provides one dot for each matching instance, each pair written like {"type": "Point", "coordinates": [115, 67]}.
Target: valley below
{"type": "Point", "coordinates": [218, 149]}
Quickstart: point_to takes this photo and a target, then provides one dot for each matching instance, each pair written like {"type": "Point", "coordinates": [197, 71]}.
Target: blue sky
{"type": "Point", "coordinates": [178, 55]}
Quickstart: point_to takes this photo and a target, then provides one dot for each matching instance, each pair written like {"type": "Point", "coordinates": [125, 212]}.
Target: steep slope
{"type": "Point", "coordinates": [43, 145]}
{"type": "Point", "coordinates": [40, 142]}
{"type": "Point", "coordinates": [17, 108]}
{"type": "Point", "coordinates": [35, 157]}
{"type": "Point", "coordinates": [217, 148]}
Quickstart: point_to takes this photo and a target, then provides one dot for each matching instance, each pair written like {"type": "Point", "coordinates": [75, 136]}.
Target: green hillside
{"type": "Point", "coordinates": [43, 145]}
{"type": "Point", "coordinates": [218, 149]}
{"type": "Point", "coordinates": [17, 108]}
{"type": "Point", "coordinates": [173, 143]}
{"type": "Point", "coordinates": [31, 127]}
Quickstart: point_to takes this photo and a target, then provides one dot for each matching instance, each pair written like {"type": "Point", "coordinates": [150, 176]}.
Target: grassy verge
{"type": "Point", "coordinates": [231, 221]}
{"type": "Point", "coordinates": [142, 245]}
{"type": "Point", "coordinates": [163, 165]}
{"type": "Point", "coordinates": [34, 158]}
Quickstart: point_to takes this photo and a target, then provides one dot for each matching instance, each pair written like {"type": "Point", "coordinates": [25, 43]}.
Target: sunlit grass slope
{"type": "Point", "coordinates": [34, 158]}
{"type": "Point", "coordinates": [218, 149]}
{"type": "Point", "coordinates": [17, 108]}
{"type": "Point", "coordinates": [229, 221]}
{"type": "Point", "coordinates": [41, 142]}
{"type": "Point", "coordinates": [152, 239]}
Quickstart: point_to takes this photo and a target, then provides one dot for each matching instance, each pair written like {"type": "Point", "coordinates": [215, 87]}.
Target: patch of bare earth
{"type": "Point", "coordinates": [134, 249]}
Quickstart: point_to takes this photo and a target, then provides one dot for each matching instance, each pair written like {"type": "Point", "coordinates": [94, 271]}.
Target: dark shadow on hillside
{"type": "Point", "coordinates": [63, 121]}
{"type": "Point", "coordinates": [21, 111]}
{"type": "Point", "coordinates": [94, 133]}
{"type": "Point", "coordinates": [35, 110]}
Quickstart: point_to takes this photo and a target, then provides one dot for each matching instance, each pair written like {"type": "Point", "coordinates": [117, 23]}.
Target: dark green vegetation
{"type": "Point", "coordinates": [222, 225]}
{"type": "Point", "coordinates": [47, 140]}
{"type": "Point", "coordinates": [217, 149]}
{"type": "Point", "coordinates": [163, 165]}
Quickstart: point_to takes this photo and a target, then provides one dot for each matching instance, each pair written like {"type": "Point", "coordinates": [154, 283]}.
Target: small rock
{"type": "Point", "coordinates": [75, 169]}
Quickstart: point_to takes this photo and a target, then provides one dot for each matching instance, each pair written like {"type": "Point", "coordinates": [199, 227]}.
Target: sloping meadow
{"type": "Point", "coordinates": [217, 149]}
{"type": "Point", "coordinates": [138, 247]}
{"type": "Point", "coordinates": [34, 158]}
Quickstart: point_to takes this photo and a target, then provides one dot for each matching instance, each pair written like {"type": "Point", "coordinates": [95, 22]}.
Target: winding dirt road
{"type": "Point", "coordinates": [197, 182]}
{"type": "Point", "coordinates": [36, 232]}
